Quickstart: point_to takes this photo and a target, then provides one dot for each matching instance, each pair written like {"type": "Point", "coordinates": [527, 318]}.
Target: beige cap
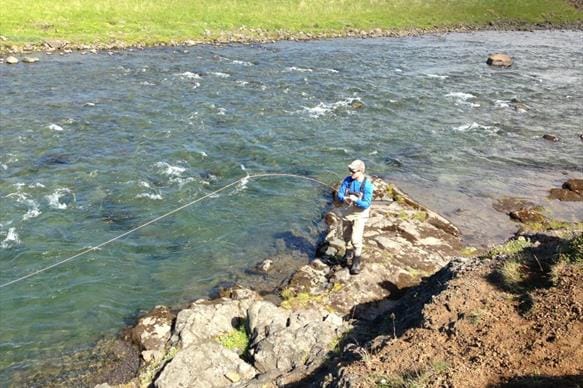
{"type": "Point", "coordinates": [357, 165]}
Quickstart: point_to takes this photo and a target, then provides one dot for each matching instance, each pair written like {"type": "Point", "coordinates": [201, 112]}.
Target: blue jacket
{"type": "Point", "coordinates": [350, 185]}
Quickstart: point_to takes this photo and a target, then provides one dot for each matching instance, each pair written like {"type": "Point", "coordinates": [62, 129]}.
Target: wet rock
{"type": "Point", "coordinates": [565, 195]}
{"type": "Point", "coordinates": [205, 364]}
{"type": "Point", "coordinates": [356, 104]}
{"type": "Point", "coordinates": [11, 60]}
{"type": "Point", "coordinates": [527, 215]}
{"type": "Point", "coordinates": [264, 266]}
{"type": "Point", "coordinates": [30, 60]}
{"type": "Point", "coordinates": [572, 190]}
{"type": "Point", "coordinates": [499, 60]}
{"type": "Point", "coordinates": [308, 279]}
{"type": "Point", "coordinates": [575, 185]}
{"type": "Point", "coordinates": [509, 204]}
{"type": "Point", "coordinates": [518, 105]}
{"type": "Point", "coordinates": [551, 137]}
{"type": "Point", "coordinates": [581, 136]}
{"type": "Point", "coordinates": [152, 332]}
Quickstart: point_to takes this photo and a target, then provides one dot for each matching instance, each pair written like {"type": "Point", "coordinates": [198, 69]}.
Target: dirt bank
{"type": "Point", "coordinates": [470, 326]}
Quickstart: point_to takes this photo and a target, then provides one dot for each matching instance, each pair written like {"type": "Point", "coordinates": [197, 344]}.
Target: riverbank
{"type": "Point", "coordinates": [323, 327]}
{"type": "Point", "coordinates": [100, 25]}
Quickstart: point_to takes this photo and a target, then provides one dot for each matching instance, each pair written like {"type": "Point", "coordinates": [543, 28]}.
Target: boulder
{"type": "Point", "coordinates": [285, 340]}
{"type": "Point", "coordinates": [208, 319]}
{"type": "Point", "coordinates": [205, 364]}
{"type": "Point", "coordinates": [11, 60]}
{"type": "Point", "coordinates": [499, 60]}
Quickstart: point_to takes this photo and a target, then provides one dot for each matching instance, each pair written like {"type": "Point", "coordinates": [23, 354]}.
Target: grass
{"type": "Point", "coordinates": [523, 271]}
{"type": "Point", "coordinates": [417, 378]}
{"type": "Point", "coordinates": [236, 340]}
{"type": "Point", "coordinates": [511, 247]}
{"type": "Point", "coordinates": [164, 21]}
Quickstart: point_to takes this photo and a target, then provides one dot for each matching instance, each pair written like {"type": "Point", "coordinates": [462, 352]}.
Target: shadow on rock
{"type": "Point", "coordinates": [574, 381]}
{"type": "Point", "coordinates": [368, 336]}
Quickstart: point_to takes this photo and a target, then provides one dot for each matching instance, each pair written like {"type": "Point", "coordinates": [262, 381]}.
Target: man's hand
{"type": "Point", "coordinates": [353, 198]}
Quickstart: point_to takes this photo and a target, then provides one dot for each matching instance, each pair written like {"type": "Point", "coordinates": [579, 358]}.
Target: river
{"type": "Point", "coordinates": [95, 145]}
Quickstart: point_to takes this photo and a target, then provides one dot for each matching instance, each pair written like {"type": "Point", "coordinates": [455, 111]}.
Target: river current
{"type": "Point", "coordinates": [94, 145]}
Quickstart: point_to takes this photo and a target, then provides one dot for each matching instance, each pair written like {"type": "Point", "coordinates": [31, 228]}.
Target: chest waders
{"type": "Point", "coordinates": [355, 267]}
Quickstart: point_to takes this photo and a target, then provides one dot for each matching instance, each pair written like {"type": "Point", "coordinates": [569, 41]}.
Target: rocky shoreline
{"type": "Point", "coordinates": [318, 326]}
{"type": "Point", "coordinates": [245, 35]}
{"type": "Point", "coordinates": [288, 336]}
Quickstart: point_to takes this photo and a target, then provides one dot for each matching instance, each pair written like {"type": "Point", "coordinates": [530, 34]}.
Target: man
{"type": "Point", "coordinates": [356, 194]}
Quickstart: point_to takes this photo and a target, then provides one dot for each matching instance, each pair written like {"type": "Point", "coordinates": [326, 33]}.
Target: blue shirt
{"type": "Point", "coordinates": [350, 185]}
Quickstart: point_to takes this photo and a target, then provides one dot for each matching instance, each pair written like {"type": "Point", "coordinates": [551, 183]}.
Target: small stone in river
{"type": "Point", "coordinates": [89, 104]}
{"type": "Point", "coordinates": [264, 266]}
{"type": "Point", "coordinates": [551, 137]}
{"type": "Point", "coordinates": [581, 136]}
{"type": "Point", "coordinates": [12, 60]}
{"type": "Point", "coordinates": [356, 104]}
{"type": "Point", "coordinates": [30, 59]}
{"type": "Point", "coordinates": [500, 60]}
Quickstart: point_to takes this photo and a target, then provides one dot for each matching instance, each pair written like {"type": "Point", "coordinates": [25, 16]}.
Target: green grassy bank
{"type": "Point", "coordinates": [135, 22]}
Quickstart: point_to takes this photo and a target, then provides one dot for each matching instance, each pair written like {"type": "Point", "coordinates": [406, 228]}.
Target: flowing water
{"type": "Point", "coordinates": [94, 145]}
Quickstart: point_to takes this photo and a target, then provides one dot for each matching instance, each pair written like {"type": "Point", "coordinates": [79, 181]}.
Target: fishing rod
{"type": "Point", "coordinates": [243, 181]}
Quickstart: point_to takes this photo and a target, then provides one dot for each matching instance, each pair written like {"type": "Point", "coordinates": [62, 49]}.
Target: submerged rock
{"type": "Point", "coordinates": [527, 215]}
{"type": "Point", "coordinates": [500, 60]}
{"type": "Point", "coordinates": [551, 137]}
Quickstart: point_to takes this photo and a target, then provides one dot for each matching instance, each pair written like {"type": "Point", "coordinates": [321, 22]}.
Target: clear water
{"type": "Point", "coordinates": [92, 146]}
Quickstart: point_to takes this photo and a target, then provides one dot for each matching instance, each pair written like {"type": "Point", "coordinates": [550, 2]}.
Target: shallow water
{"type": "Point", "coordinates": [92, 146]}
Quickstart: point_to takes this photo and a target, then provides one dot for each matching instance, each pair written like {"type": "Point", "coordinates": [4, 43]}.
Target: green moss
{"type": "Point", "coordinates": [302, 300]}
{"type": "Point", "coordinates": [236, 340]}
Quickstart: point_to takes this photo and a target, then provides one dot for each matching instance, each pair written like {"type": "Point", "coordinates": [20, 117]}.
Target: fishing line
{"type": "Point", "coordinates": [242, 181]}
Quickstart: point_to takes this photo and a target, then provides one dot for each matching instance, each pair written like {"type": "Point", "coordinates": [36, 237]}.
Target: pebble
{"type": "Point", "coordinates": [12, 60]}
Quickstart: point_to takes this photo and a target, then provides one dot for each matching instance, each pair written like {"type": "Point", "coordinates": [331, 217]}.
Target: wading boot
{"type": "Point", "coordinates": [348, 256]}
{"type": "Point", "coordinates": [355, 269]}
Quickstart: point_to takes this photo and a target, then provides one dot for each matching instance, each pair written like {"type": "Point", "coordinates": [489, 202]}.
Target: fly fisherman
{"type": "Point", "coordinates": [355, 193]}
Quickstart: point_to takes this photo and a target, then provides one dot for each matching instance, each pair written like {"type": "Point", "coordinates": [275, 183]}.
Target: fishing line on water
{"type": "Point", "coordinates": [243, 181]}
